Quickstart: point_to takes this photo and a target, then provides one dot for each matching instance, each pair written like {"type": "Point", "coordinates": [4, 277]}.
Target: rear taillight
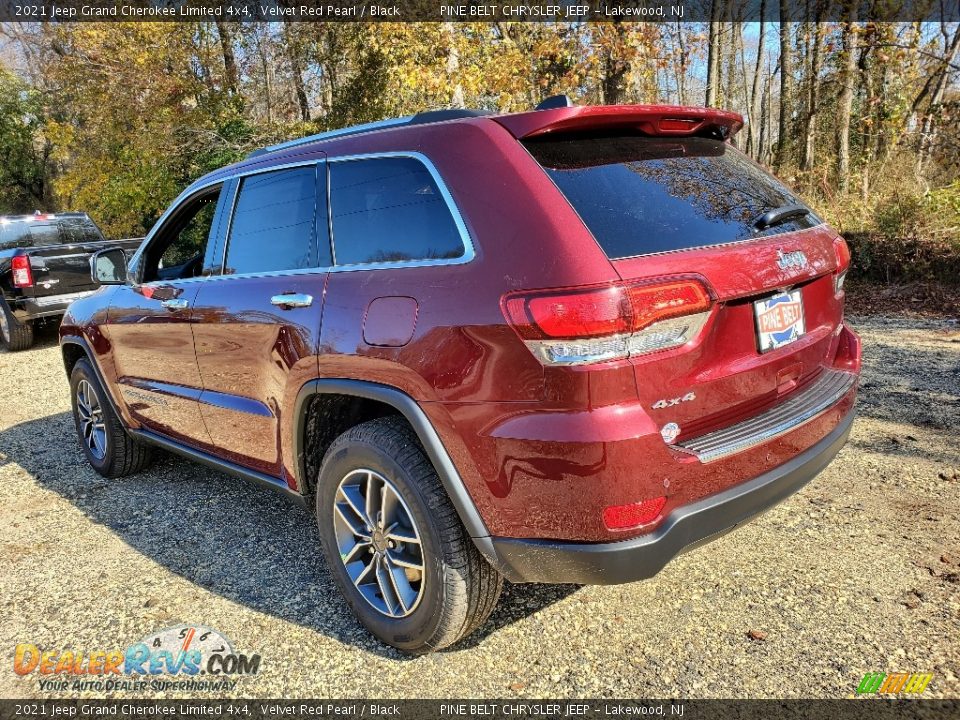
{"type": "Point", "coordinates": [843, 263]}
{"type": "Point", "coordinates": [22, 274]}
{"type": "Point", "coordinates": [576, 326]}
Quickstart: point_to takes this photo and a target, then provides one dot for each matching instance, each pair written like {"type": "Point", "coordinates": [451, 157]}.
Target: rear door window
{"type": "Point", "coordinates": [77, 230]}
{"type": "Point", "coordinates": [642, 195]}
{"type": "Point", "coordinates": [389, 209]}
{"type": "Point", "coordinates": [28, 233]}
{"type": "Point", "coordinates": [274, 227]}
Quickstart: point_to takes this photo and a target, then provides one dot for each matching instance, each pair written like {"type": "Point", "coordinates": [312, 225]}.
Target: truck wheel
{"type": "Point", "coordinates": [14, 335]}
{"type": "Point", "coordinates": [394, 543]}
{"type": "Point", "coordinates": [108, 448]}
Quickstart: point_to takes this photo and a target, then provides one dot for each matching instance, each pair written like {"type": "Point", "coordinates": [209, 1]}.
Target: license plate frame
{"type": "Point", "coordinates": [779, 320]}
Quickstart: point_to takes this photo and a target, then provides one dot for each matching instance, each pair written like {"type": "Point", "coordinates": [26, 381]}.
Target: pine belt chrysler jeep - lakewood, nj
{"type": "Point", "coordinates": [556, 346]}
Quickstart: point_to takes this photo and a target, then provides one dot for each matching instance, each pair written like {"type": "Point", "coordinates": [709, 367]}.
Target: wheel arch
{"type": "Point", "coordinates": [74, 348]}
{"type": "Point", "coordinates": [402, 404]}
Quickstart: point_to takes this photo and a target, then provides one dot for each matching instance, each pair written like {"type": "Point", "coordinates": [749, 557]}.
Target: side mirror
{"type": "Point", "coordinates": [109, 267]}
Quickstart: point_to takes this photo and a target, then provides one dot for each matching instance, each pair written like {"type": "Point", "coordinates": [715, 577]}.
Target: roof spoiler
{"type": "Point", "coordinates": [657, 120]}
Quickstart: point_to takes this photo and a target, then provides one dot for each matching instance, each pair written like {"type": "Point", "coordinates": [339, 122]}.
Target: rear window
{"type": "Point", "coordinates": [23, 233]}
{"type": "Point", "coordinates": [642, 195]}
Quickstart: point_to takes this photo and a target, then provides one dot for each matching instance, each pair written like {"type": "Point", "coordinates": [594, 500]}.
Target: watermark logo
{"type": "Point", "coordinates": [894, 683]}
{"type": "Point", "coordinates": [183, 657]}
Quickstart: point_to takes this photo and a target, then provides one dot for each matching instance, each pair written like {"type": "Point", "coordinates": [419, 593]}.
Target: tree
{"type": "Point", "coordinates": [24, 151]}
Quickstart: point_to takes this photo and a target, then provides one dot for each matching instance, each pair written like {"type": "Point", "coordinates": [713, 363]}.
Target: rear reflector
{"type": "Point", "coordinates": [575, 326]}
{"type": "Point", "coordinates": [626, 517]}
{"type": "Point", "coordinates": [22, 273]}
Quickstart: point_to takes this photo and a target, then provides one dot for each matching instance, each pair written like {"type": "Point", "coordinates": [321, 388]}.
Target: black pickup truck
{"type": "Point", "coordinates": [44, 266]}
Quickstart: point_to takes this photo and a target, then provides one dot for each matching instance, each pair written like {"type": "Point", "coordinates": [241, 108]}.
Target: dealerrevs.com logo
{"type": "Point", "coordinates": [191, 658]}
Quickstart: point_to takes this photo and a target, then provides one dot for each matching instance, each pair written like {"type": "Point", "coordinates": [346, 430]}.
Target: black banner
{"type": "Point", "coordinates": [476, 10]}
{"type": "Point", "coordinates": [864, 708]}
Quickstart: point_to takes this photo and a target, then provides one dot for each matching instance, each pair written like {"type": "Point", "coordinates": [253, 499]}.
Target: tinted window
{"type": "Point", "coordinates": [273, 224]}
{"type": "Point", "coordinates": [79, 230]}
{"type": "Point", "coordinates": [641, 195]}
{"type": "Point", "coordinates": [388, 210]}
{"type": "Point", "coordinates": [28, 233]}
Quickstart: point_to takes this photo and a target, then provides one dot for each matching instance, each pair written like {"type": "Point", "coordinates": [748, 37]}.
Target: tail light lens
{"type": "Point", "coordinates": [22, 273]}
{"type": "Point", "coordinates": [577, 326]}
{"type": "Point", "coordinates": [843, 264]}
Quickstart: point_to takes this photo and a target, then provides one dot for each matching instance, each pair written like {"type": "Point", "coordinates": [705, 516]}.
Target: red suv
{"type": "Point", "coordinates": [557, 346]}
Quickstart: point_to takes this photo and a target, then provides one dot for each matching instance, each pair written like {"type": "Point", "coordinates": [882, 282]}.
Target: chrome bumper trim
{"type": "Point", "coordinates": [68, 298]}
{"type": "Point", "coordinates": [798, 409]}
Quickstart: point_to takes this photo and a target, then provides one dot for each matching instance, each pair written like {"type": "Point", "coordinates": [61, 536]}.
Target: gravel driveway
{"type": "Point", "coordinates": [859, 572]}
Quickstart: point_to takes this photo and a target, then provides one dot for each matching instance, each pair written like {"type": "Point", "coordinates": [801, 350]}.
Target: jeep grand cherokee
{"type": "Point", "coordinates": [556, 346]}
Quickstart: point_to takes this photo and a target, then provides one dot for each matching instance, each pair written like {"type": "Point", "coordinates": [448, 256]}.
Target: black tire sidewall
{"type": "Point", "coordinates": [408, 633]}
{"type": "Point", "coordinates": [82, 371]}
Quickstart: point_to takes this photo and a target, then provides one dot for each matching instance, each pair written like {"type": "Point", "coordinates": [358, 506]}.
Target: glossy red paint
{"type": "Point", "coordinates": [542, 450]}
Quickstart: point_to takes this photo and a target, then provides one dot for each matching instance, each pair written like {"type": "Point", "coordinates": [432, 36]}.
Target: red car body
{"type": "Point", "coordinates": [544, 462]}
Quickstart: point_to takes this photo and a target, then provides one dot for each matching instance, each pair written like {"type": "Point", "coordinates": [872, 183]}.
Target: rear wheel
{"type": "Point", "coordinates": [107, 446]}
{"type": "Point", "coordinates": [394, 543]}
{"type": "Point", "coordinates": [14, 335]}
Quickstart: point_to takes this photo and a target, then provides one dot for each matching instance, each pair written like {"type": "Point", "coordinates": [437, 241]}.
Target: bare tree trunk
{"type": "Point", "coordinates": [927, 130]}
{"type": "Point", "coordinates": [846, 100]}
{"type": "Point", "coordinates": [229, 59]}
{"type": "Point", "coordinates": [753, 134]}
{"type": "Point", "coordinates": [453, 65]}
{"type": "Point", "coordinates": [713, 54]}
{"type": "Point", "coordinates": [615, 68]}
{"type": "Point", "coordinates": [265, 67]}
{"type": "Point", "coordinates": [766, 109]}
{"type": "Point", "coordinates": [292, 51]}
{"type": "Point", "coordinates": [732, 34]}
{"type": "Point", "coordinates": [786, 85]}
{"type": "Point", "coordinates": [813, 99]}
{"type": "Point", "coordinates": [681, 65]}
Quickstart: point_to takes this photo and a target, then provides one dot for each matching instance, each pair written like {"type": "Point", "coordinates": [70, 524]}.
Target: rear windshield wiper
{"type": "Point", "coordinates": [779, 215]}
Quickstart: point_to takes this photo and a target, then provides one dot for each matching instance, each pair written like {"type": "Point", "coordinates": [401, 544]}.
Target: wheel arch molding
{"type": "Point", "coordinates": [74, 348]}
{"type": "Point", "coordinates": [411, 411]}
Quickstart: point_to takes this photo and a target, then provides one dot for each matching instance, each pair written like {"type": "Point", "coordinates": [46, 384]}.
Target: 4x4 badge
{"type": "Point", "coordinates": [795, 259]}
{"type": "Point", "coordinates": [660, 404]}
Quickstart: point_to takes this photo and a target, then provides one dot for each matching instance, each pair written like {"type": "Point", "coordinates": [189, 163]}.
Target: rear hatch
{"type": "Point", "coordinates": [664, 207]}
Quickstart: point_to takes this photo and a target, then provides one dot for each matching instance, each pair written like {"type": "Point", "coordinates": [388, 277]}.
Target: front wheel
{"type": "Point", "coordinates": [14, 335]}
{"type": "Point", "coordinates": [106, 445]}
{"type": "Point", "coordinates": [395, 544]}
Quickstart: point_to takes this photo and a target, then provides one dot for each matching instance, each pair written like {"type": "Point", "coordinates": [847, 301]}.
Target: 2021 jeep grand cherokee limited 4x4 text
{"type": "Point", "coordinates": [555, 346]}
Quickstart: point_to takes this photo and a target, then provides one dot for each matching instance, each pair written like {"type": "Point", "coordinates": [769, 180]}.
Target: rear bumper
{"type": "Point", "coordinates": [687, 527]}
{"type": "Point", "coordinates": [29, 308]}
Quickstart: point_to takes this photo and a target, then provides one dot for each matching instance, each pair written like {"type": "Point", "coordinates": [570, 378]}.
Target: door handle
{"type": "Point", "coordinates": [175, 304]}
{"type": "Point", "coordinates": [292, 300]}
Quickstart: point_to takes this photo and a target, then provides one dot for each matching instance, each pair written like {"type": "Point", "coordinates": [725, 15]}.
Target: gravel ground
{"type": "Point", "coordinates": [858, 572]}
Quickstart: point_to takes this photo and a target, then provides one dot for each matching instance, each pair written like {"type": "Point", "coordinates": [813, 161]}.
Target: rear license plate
{"type": "Point", "coordinates": [779, 320]}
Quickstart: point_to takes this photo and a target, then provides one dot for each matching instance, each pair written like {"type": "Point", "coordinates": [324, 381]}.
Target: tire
{"type": "Point", "coordinates": [106, 445]}
{"type": "Point", "coordinates": [14, 335]}
{"type": "Point", "coordinates": [457, 588]}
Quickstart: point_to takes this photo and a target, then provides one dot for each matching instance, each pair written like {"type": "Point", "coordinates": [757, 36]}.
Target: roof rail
{"type": "Point", "coordinates": [422, 118]}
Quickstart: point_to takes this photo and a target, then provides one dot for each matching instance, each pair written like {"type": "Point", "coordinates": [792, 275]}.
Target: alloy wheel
{"type": "Point", "coordinates": [92, 427]}
{"type": "Point", "coordinates": [379, 543]}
